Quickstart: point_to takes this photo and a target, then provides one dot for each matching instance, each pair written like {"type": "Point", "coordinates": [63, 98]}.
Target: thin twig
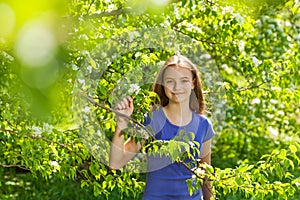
{"type": "Point", "coordinates": [44, 139]}
{"type": "Point", "coordinates": [193, 172]}
{"type": "Point", "coordinates": [90, 5]}
{"type": "Point", "coordinates": [38, 137]}
{"type": "Point", "coordinates": [107, 14]}
{"type": "Point", "coordinates": [81, 175]}
{"type": "Point", "coordinates": [90, 99]}
{"type": "Point", "coordinates": [50, 141]}
{"type": "Point", "coordinates": [18, 166]}
{"type": "Point", "coordinates": [251, 87]}
{"type": "Point", "coordinates": [238, 90]}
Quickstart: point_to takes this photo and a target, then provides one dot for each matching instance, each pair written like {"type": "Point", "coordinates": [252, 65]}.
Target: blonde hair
{"type": "Point", "coordinates": [197, 103]}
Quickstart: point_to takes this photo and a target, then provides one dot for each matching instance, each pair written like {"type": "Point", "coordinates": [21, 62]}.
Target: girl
{"type": "Point", "coordinates": [181, 108]}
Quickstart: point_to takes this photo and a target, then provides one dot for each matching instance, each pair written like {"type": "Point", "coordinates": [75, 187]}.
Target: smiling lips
{"type": "Point", "coordinates": [177, 93]}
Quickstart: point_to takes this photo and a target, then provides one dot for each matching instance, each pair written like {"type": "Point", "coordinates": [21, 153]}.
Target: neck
{"type": "Point", "coordinates": [178, 110]}
{"type": "Point", "coordinates": [178, 114]}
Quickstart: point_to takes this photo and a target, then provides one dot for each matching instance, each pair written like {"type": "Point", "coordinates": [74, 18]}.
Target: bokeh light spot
{"type": "Point", "coordinates": [36, 44]}
{"type": "Point", "coordinates": [7, 20]}
{"type": "Point", "coordinates": [160, 2]}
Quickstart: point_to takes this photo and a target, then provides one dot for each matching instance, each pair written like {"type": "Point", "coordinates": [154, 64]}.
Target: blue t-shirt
{"type": "Point", "coordinates": [167, 180]}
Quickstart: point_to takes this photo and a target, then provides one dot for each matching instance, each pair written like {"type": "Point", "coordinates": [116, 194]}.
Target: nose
{"type": "Point", "coordinates": [177, 86]}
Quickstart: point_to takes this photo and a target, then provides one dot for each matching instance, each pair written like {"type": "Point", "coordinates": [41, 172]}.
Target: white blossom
{"type": "Point", "coordinates": [54, 163]}
{"type": "Point", "coordinates": [227, 9]}
{"type": "Point", "coordinates": [37, 130]}
{"type": "Point", "coordinates": [161, 63]}
{"type": "Point", "coordinates": [272, 26]}
{"type": "Point", "coordinates": [84, 37]}
{"type": "Point", "coordinates": [99, 133]}
{"type": "Point", "coordinates": [287, 23]}
{"type": "Point", "coordinates": [81, 81]}
{"type": "Point", "coordinates": [255, 101]}
{"type": "Point", "coordinates": [134, 88]}
{"type": "Point", "coordinates": [200, 171]}
{"type": "Point", "coordinates": [104, 54]}
{"type": "Point", "coordinates": [176, 13]}
{"type": "Point", "coordinates": [74, 67]}
{"type": "Point", "coordinates": [255, 61]}
{"type": "Point", "coordinates": [86, 109]}
{"type": "Point", "coordinates": [258, 23]}
{"type": "Point", "coordinates": [269, 31]}
{"type": "Point", "coordinates": [241, 45]}
{"type": "Point", "coordinates": [191, 144]}
{"type": "Point", "coordinates": [273, 131]}
{"type": "Point", "coordinates": [226, 68]}
{"type": "Point", "coordinates": [280, 112]}
{"type": "Point", "coordinates": [136, 33]}
{"type": "Point", "coordinates": [85, 117]}
{"type": "Point", "coordinates": [90, 69]}
{"type": "Point", "coordinates": [239, 18]}
{"type": "Point", "coordinates": [111, 7]}
{"type": "Point", "coordinates": [274, 101]}
{"type": "Point", "coordinates": [47, 127]}
{"type": "Point", "coordinates": [205, 56]}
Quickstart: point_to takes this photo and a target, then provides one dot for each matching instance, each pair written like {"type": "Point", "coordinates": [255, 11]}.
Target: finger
{"type": "Point", "coordinates": [121, 106]}
{"type": "Point", "coordinates": [129, 102]}
{"type": "Point", "coordinates": [118, 107]}
{"type": "Point", "coordinates": [124, 103]}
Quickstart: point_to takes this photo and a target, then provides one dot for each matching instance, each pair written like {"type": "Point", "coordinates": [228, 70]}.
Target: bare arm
{"type": "Point", "coordinates": [206, 158]}
{"type": "Point", "coordinates": [120, 152]}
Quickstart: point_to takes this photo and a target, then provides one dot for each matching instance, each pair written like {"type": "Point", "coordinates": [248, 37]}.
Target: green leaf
{"type": "Point", "coordinates": [282, 154]}
{"type": "Point", "coordinates": [293, 148]}
{"type": "Point", "coordinates": [93, 63]}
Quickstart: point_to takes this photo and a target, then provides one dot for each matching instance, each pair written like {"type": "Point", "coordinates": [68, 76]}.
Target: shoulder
{"type": "Point", "coordinates": [205, 129]}
{"type": "Point", "coordinates": [202, 118]}
{"type": "Point", "coordinates": [154, 115]}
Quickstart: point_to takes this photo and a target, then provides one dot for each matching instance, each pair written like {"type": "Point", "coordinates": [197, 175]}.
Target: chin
{"type": "Point", "coordinates": [178, 100]}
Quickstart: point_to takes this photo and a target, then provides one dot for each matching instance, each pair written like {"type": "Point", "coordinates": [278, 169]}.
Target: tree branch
{"type": "Point", "coordinates": [251, 87]}
{"type": "Point", "coordinates": [108, 14]}
{"type": "Point", "coordinates": [238, 90]}
{"type": "Point", "coordinates": [91, 100]}
{"type": "Point", "coordinates": [203, 178]}
{"type": "Point", "coordinates": [90, 5]}
{"type": "Point", "coordinates": [44, 139]}
{"type": "Point", "coordinates": [15, 165]}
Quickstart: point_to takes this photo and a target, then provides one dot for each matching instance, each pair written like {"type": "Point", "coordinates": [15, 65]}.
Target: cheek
{"type": "Point", "coordinates": [168, 86]}
{"type": "Point", "coordinates": [190, 85]}
{"type": "Point", "coordinates": [167, 90]}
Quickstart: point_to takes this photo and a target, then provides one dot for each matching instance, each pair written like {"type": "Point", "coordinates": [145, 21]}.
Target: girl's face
{"type": "Point", "coordinates": [178, 84]}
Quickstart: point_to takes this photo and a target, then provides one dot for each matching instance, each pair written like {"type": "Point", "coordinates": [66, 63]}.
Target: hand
{"type": "Point", "coordinates": [125, 106]}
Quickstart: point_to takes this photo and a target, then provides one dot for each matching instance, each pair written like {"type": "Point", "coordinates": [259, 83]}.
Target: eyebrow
{"type": "Point", "coordinates": [185, 77]}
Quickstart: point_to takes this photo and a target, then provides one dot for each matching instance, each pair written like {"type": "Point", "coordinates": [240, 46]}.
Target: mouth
{"type": "Point", "coordinates": [177, 93]}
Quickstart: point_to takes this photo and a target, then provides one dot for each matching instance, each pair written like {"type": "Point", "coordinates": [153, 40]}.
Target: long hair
{"type": "Point", "coordinates": [197, 103]}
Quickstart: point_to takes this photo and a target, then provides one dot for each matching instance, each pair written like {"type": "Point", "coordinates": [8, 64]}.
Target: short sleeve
{"type": "Point", "coordinates": [209, 132]}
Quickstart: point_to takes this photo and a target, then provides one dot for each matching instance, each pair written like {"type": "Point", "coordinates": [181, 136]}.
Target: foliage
{"type": "Point", "coordinates": [249, 61]}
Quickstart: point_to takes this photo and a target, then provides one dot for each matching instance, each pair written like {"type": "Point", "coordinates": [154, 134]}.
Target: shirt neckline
{"type": "Point", "coordinates": [165, 116]}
